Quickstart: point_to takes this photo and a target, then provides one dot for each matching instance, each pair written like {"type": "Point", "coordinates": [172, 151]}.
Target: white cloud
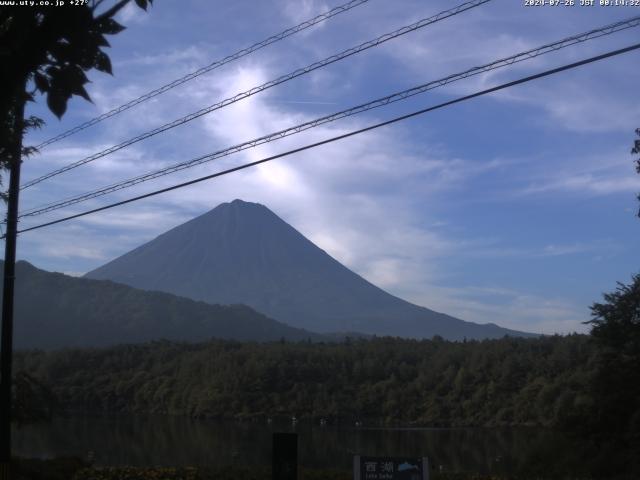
{"type": "Point", "coordinates": [589, 175]}
{"type": "Point", "coordinates": [588, 183]}
{"type": "Point", "coordinates": [72, 251]}
{"type": "Point", "coordinates": [73, 273]}
{"type": "Point", "coordinates": [374, 201]}
{"type": "Point", "coordinates": [298, 11]}
{"type": "Point", "coordinates": [131, 14]}
{"type": "Point", "coordinates": [338, 195]}
{"type": "Point", "coordinates": [506, 307]}
{"type": "Point", "coordinates": [592, 98]}
{"type": "Point", "coordinates": [180, 59]}
{"type": "Point", "coordinates": [494, 248]}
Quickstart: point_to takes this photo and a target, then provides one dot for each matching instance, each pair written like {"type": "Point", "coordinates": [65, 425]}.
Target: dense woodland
{"type": "Point", "coordinates": [496, 382]}
{"type": "Point", "coordinates": [586, 385]}
{"type": "Point", "coordinates": [55, 310]}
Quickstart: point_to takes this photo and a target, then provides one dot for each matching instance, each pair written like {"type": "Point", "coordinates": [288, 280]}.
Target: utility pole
{"type": "Point", "coordinates": [6, 342]}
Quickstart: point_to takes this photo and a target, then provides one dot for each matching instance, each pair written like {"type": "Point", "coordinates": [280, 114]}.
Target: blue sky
{"type": "Point", "coordinates": [516, 208]}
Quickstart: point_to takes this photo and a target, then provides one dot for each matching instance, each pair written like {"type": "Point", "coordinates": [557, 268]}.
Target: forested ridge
{"type": "Point", "coordinates": [55, 310]}
{"type": "Point", "coordinates": [542, 381]}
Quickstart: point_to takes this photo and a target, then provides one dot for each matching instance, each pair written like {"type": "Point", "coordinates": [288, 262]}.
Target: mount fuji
{"type": "Point", "coordinates": [242, 252]}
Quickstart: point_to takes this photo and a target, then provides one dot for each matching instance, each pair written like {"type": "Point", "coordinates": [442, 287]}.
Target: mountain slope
{"type": "Point", "coordinates": [53, 310]}
{"type": "Point", "coordinates": [242, 252]}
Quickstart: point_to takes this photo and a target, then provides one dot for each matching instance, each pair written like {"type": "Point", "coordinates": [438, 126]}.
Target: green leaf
{"type": "Point", "coordinates": [110, 27]}
{"type": "Point", "coordinates": [61, 51]}
{"type": "Point", "coordinates": [101, 41]}
{"type": "Point", "coordinates": [57, 103]}
{"type": "Point", "coordinates": [33, 122]}
{"type": "Point", "coordinates": [103, 63]}
{"type": "Point", "coordinates": [29, 151]}
{"type": "Point", "coordinates": [51, 70]}
{"type": "Point", "coordinates": [73, 74]}
{"type": "Point", "coordinates": [80, 91]}
{"type": "Point", "coordinates": [42, 82]}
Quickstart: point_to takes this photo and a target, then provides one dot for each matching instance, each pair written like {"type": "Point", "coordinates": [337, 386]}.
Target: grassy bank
{"type": "Point", "coordinates": [235, 473]}
{"type": "Point", "coordinates": [76, 469]}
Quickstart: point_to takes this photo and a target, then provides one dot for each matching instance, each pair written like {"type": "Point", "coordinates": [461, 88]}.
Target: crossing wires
{"type": "Point", "coordinates": [212, 66]}
{"type": "Point", "coordinates": [265, 86]}
{"type": "Point", "coordinates": [386, 100]}
{"type": "Point", "coordinates": [503, 86]}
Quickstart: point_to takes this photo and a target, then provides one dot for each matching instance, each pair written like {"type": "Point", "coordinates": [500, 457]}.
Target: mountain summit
{"type": "Point", "coordinates": [242, 252]}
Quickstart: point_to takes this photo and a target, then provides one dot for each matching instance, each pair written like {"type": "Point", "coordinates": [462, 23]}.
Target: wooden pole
{"type": "Point", "coordinates": [6, 341]}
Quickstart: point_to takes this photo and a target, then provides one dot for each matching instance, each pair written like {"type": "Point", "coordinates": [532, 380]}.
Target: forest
{"type": "Point", "coordinates": [585, 385]}
{"type": "Point", "coordinates": [55, 311]}
{"type": "Point", "coordinates": [510, 381]}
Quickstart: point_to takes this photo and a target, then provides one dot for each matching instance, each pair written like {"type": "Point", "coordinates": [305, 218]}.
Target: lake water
{"type": "Point", "coordinates": [179, 441]}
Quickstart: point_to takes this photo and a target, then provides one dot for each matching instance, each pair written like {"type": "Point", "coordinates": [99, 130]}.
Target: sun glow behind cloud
{"type": "Point", "coordinates": [433, 210]}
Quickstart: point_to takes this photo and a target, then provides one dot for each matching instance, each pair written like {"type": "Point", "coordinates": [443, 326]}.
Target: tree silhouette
{"type": "Point", "coordinates": [54, 47]}
{"type": "Point", "coordinates": [616, 386]}
{"type": "Point", "coordinates": [46, 49]}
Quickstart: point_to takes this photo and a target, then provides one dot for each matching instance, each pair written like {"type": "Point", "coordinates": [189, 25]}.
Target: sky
{"type": "Point", "coordinates": [516, 208]}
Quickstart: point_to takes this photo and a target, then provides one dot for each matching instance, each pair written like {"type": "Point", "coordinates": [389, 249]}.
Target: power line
{"type": "Point", "coordinates": [503, 86]}
{"type": "Point", "coordinates": [270, 84]}
{"type": "Point", "coordinates": [212, 66]}
{"type": "Point", "coordinates": [395, 97]}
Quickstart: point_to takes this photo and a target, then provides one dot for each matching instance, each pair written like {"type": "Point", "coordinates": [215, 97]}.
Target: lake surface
{"type": "Point", "coordinates": [179, 441]}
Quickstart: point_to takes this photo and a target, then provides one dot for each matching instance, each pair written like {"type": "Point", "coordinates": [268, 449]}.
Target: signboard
{"type": "Point", "coordinates": [390, 468]}
{"type": "Point", "coordinates": [285, 456]}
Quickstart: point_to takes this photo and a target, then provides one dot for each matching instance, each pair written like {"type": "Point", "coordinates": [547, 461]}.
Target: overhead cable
{"type": "Point", "coordinates": [395, 97]}
{"type": "Point", "coordinates": [503, 86]}
{"type": "Point", "coordinates": [201, 71]}
{"type": "Point", "coordinates": [270, 84]}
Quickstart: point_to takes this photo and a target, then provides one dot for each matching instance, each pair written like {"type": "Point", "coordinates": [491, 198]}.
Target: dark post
{"type": "Point", "coordinates": [6, 342]}
{"type": "Point", "coordinates": [285, 456]}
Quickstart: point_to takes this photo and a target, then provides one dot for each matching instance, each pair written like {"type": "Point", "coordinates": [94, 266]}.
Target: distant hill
{"type": "Point", "coordinates": [53, 310]}
{"type": "Point", "coordinates": [242, 252]}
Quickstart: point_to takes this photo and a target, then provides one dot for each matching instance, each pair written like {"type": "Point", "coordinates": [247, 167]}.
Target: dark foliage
{"type": "Point", "coordinates": [54, 47]}
{"type": "Point", "coordinates": [63, 468]}
{"type": "Point", "coordinates": [248, 473]}
{"type": "Point", "coordinates": [75, 469]}
{"type": "Point", "coordinates": [48, 49]}
{"type": "Point", "coordinates": [33, 401]}
{"type": "Point", "coordinates": [616, 387]}
{"type": "Point", "coordinates": [54, 310]}
{"type": "Point", "coordinates": [494, 382]}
